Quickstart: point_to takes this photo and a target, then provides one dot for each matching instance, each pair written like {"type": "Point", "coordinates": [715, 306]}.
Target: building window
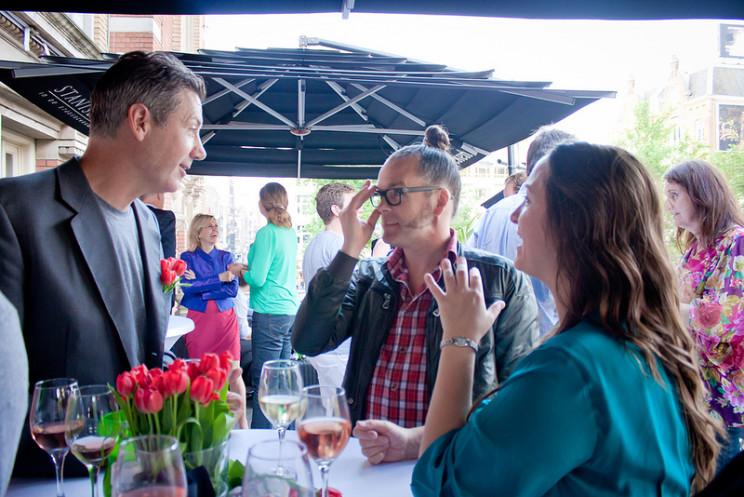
{"type": "Point", "coordinates": [700, 130]}
{"type": "Point", "coordinates": [16, 154]}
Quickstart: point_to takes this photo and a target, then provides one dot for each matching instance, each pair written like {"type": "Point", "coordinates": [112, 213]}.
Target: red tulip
{"type": "Point", "coordinates": [164, 266]}
{"type": "Point", "coordinates": [209, 361]}
{"type": "Point", "coordinates": [179, 267]}
{"type": "Point", "coordinates": [172, 383]}
{"type": "Point", "coordinates": [201, 390]}
{"type": "Point", "coordinates": [148, 400]}
{"type": "Point", "coordinates": [142, 375]}
{"type": "Point", "coordinates": [226, 360]}
{"type": "Point", "coordinates": [218, 377]}
{"type": "Point", "coordinates": [126, 384]}
{"type": "Point", "coordinates": [167, 277]}
{"type": "Point", "coordinates": [177, 365]}
{"type": "Point", "coordinates": [194, 370]}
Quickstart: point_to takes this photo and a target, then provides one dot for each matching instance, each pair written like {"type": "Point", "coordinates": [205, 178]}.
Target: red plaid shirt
{"type": "Point", "coordinates": [398, 391]}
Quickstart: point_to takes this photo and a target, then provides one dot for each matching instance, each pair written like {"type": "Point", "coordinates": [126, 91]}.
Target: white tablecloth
{"type": "Point", "coordinates": [177, 326]}
{"type": "Point", "coordinates": [350, 473]}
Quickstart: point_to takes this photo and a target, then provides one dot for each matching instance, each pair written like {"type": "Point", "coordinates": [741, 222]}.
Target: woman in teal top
{"type": "Point", "coordinates": [271, 273]}
{"type": "Point", "coordinates": [612, 402]}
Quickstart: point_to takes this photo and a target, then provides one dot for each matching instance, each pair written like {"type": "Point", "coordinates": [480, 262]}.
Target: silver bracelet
{"type": "Point", "coordinates": [459, 342]}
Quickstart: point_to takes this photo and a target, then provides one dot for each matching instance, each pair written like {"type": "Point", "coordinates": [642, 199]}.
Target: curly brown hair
{"type": "Point", "coordinates": [604, 216]}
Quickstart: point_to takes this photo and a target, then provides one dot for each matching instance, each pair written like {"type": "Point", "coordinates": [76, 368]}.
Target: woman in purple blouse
{"type": "Point", "coordinates": [209, 298]}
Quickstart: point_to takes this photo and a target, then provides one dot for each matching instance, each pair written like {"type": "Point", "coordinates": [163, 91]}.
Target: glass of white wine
{"type": "Point", "coordinates": [279, 393]}
{"type": "Point", "coordinates": [324, 425]}
{"type": "Point", "coordinates": [92, 428]}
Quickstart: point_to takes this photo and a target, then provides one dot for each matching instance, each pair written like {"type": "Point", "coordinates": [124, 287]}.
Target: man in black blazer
{"type": "Point", "coordinates": [166, 222]}
{"type": "Point", "coordinates": [79, 252]}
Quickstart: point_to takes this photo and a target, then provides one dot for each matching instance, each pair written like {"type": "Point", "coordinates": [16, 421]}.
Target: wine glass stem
{"type": "Point", "coordinates": [58, 456]}
{"type": "Point", "coordinates": [324, 469]}
{"type": "Point", "coordinates": [93, 470]}
{"type": "Point", "coordinates": [282, 431]}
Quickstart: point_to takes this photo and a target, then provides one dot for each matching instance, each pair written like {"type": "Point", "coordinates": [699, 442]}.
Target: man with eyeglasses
{"type": "Point", "coordinates": [391, 316]}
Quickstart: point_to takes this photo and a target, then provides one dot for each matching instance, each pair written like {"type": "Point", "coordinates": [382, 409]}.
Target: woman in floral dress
{"type": "Point", "coordinates": [711, 271]}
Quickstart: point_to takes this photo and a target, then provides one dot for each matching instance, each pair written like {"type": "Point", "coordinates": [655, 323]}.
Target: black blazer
{"type": "Point", "coordinates": [167, 226]}
{"type": "Point", "coordinates": [59, 270]}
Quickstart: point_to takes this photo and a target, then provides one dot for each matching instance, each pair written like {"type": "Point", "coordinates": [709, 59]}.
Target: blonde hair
{"type": "Point", "coordinates": [274, 200]}
{"type": "Point", "coordinates": [197, 223]}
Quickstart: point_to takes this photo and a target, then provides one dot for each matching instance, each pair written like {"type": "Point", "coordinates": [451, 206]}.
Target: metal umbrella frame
{"type": "Point", "coordinates": [335, 112]}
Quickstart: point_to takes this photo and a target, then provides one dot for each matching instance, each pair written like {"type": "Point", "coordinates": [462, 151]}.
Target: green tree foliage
{"type": "Point", "coordinates": [650, 139]}
{"type": "Point", "coordinates": [731, 164]}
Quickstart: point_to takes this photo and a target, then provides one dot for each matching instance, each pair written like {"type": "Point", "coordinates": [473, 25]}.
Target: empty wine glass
{"type": "Point", "coordinates": [47, 420]}
{"type": "Point", "coordinates": [279, 392]}
{"type": "Point", "coordinates": [260, 478]}
{"type": "Point", "coordinates": [92, 428]}
{"type": "Point", "coordinates": [149, 466]}
{"type": "Point", "coordinates": [324, 425]}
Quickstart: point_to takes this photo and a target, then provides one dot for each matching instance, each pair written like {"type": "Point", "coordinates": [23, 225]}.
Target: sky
{"type": "Point", "coordinates": [578, 55]}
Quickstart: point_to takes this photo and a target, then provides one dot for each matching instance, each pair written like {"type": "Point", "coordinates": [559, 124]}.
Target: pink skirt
{"type": "Point", "coordinates": [214, 331]}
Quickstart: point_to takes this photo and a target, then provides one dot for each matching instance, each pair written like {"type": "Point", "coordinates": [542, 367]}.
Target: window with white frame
{"type": "Point", "coordinates": [16, 154]}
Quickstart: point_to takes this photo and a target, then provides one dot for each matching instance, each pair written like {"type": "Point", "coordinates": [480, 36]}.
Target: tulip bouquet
{"type": "Point", "coordinates": [171, 271]}
{"type": "Point", "coordinates": [187, 401]}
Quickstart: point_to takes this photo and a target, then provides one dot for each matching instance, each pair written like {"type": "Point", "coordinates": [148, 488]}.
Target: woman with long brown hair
{"type": "Point", "coordinates": [271, 273]}
{"type": "Point", "coordinates": [711, 236]}
{"type": "Point", "coordinates": [612, 402]}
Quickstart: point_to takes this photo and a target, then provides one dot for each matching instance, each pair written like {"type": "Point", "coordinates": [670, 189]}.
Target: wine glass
{"type": "Point", "coordinates": [92, 428]}
{"type": "Point", "coordinates": [279, 392]}
{"type": "Point", "coordinates": [324, 425]}
{"type": "Point", "coordinates": [149, 466]}
{"type": "Point", "coordinates": [260, 478]}
{"type": "Point", "coordinates": [47, 420]}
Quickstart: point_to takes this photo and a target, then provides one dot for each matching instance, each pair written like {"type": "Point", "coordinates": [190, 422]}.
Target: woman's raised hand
{"type": "Point", "coordinates": [462, 307]}
{"type": "Point", "coordinates": [189, 274]}
{"type": "Point", "coordinates": [357, 232]}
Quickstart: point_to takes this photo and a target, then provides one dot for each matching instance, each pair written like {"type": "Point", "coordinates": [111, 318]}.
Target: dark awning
{"type": "Point", "coordinates": [322, 113]}
{"type": "Point", "coordinates": [529, 9]}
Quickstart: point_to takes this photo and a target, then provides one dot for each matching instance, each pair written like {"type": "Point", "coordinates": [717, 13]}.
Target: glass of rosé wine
{"type": "Point", "coordinates": [47, 420]}
{"type": "Point", "coordinates": [149, 466]}
{"type": "Point", "coordinates": [323, 424]}
{"type": "Point", "coordinates": [92, 428]}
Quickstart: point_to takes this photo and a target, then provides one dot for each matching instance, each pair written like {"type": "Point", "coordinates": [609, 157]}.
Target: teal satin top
{"type": "Point", "coordinates": [577, 417]}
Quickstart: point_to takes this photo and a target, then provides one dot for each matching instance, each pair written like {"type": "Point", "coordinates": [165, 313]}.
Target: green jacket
{"type": "Point", "coordinates": [272, 273]}
{"type": "Point", "coordinates": [342, 303]}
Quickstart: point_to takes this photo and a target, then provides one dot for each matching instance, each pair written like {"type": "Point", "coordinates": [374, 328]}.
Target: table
{"type": "Point", "coordinates": [177, 327]}
{"type": "Point", "coordinates": [350, 473]}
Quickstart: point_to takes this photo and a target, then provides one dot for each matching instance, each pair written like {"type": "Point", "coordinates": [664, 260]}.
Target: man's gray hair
{"type": "Point", "coordinates": [155, 79]}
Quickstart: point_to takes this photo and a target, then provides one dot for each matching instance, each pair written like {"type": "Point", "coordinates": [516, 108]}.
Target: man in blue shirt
{"type": "Point", "coordinates": [497, 234]}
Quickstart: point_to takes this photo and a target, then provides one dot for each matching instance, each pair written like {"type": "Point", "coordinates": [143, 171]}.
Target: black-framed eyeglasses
{"type": "Point", "coordinates": [394, 196]}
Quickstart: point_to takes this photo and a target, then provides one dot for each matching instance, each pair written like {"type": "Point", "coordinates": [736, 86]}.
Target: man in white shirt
{"type": "Point", "coordinates": [496, 233]}
{"type": "Point", "coordinates": [321, 250]}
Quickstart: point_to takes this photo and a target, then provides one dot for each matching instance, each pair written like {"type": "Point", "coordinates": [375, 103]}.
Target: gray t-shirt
{"type": "Point", "coordinates": [319, 253]}
{"type": "Point", "coordinates": [123, 229]}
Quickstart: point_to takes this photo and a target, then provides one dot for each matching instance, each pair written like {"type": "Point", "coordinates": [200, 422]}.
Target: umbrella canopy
{"type": "Point", "coordinates": [334, 113]}
{"type": "Point", "coordinates": [533, 9]}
